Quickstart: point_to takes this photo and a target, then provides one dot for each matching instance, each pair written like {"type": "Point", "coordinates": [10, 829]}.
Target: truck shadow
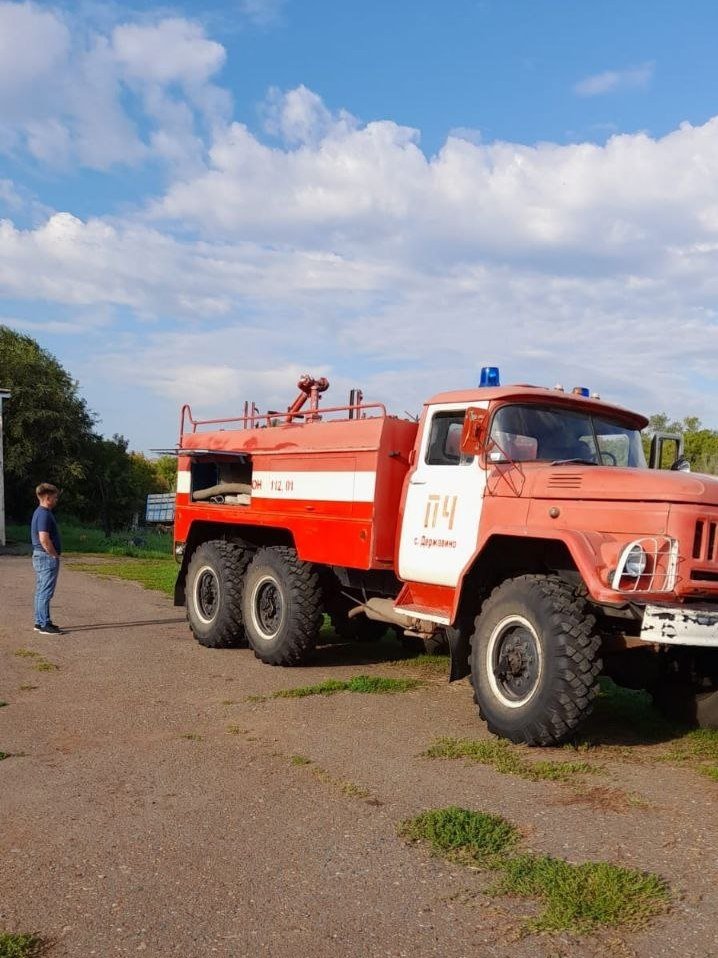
{"type": "Point", "coordinates": [625, 717]}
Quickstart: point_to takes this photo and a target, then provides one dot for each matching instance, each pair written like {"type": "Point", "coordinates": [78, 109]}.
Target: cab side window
{"type": "Point", "coordinates": [443, 448]}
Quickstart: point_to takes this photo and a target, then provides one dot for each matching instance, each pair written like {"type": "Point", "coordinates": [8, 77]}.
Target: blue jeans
{"type": "Point", "coordinates": [47, 569]}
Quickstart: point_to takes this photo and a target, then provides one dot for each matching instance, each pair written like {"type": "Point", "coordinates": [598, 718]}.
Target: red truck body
{"type": "Point", "coordinates": [414, 526]}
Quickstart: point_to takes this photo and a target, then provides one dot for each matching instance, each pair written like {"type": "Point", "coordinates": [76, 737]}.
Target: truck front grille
{"type": "Point", "coordinates": [705, 541]}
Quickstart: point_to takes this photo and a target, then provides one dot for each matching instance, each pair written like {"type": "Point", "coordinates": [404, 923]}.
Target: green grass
{"type": "Point", "coordinates": [365, 684]}
{"type": "Point", "coordinates": [19, 946]}
{"type": "Point", "coordinates": [300, 760]}
{"type": "Point", "coordinates": [574, 898]}
{"type": "Point", "coordinates": [507, 759]}
{"type": "Point", "coordinates": [157, 574]}
{"type": "Point", "coordinates": [147, 543]}
{"type": "Point", "coordinates": [4, 755]}
{"type": "Point", "coordinates": [582, 898]}
{"type": "Point", "coordinates": [451, 829]}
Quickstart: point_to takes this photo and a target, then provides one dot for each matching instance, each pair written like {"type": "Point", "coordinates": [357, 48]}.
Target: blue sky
{"type": "Point", "coordinates": [199, 202]}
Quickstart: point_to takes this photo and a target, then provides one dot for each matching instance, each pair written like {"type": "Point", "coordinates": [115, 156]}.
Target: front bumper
{"type": "Point", "coordinates": [681, 625]}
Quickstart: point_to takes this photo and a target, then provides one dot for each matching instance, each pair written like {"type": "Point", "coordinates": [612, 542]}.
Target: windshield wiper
{"type": "Point", "coordinates": [583, 462]}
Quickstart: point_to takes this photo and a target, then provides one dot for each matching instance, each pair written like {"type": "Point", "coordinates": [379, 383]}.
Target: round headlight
{"type": "Point", "coordinates": [636, 561]}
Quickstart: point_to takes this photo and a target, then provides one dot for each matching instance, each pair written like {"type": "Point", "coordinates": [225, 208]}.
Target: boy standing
{"type": "Point", "coordinates": [46, 549]}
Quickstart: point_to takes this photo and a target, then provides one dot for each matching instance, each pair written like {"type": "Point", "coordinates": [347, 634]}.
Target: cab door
{"type": "Point", "coordinates": [442, 509]}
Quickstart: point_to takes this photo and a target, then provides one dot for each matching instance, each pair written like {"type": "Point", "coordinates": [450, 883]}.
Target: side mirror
{"type": "Point", "coordinates": [659, 455]}
{"type": "Point", "coordinates": [473, 434]}
{"type": "Point", "coordinates": [681, 465]}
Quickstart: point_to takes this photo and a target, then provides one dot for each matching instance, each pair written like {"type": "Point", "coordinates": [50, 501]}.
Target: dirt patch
{"type": "Point", "coordinates": [148, 806]}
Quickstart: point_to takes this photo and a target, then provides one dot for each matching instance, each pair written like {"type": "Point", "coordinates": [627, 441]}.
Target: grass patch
{"type": "Point", "coordinates": [575, 898]}
{"type": "Point", "coordinates": [42, 665]}
{"type": "Point", "coordinates": [581, 898]}
{"type": "Point", "coordinates": [365, 684]}
{"type": "Point", "coordinates": [507, 759]}
{"type": "Point", "coordinates": [710, 771]}
{"type": "Point", "coordinates": [147, 543]}
{"type": "Point", "coordinates": [453, 829]}
{"type": "Point", "coordinates": [427, 664]}
{"type": "Point", "coordinates": [4, 755]}
{"type": "Point", "coordinates": [20, 946]}
{"type": "Point", "coordinates": [158, 574]}
{"type": "Point", "coordinates": [300, 760]}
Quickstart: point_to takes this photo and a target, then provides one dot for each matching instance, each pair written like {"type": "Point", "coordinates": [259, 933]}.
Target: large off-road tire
{"type": "Point", "coordinates": [281, 606]}
{"type": "Point", "coordinates": [534, 660]}
{"type": "Point", "coordinates": [213, 594]}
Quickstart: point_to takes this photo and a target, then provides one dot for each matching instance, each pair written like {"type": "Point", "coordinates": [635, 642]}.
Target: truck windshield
{"type": "Point", "coordinates": [554, 434]}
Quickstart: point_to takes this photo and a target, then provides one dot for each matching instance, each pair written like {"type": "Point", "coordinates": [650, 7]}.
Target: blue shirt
{"type": "Point", "coordinates": [44, 521]}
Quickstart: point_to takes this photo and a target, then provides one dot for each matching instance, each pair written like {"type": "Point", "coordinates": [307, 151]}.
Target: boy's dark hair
{"type": "Point", "coordinates": [46, 489]}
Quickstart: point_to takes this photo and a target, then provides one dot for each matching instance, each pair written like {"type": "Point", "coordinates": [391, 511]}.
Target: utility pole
{"type": "Point", "coordinates": [4, 394]}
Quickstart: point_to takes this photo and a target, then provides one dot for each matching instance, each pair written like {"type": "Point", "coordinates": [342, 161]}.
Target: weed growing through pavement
{"type": "Point", "coordinates": [191, 736]}
{"type": "Point", "coordinates": [364, 684]}
{"type": "Point", "coordinates": [2, 705]}
{"type": "Point", "coordinates": [350, 789]}
{"type": "Point", "coordinates": [505, 758]}
{"type": "Point", "coordinates": [20, 946]}
{"type": "Point", "coordinates": [41, 663]}
{"type": "Point", "coordinates": [28, 688]}
{"type": "Point", "coordinates": [575, 898]}
{"type": "Point", "coordinates": [234, 729]}
{"type": "Point", "coordinates": [4, 755]}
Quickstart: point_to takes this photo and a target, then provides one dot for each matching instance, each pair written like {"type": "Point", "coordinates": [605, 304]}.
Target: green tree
{"type": "Point", "coordinates": [47, 425]}
{"type": "Point", "coordinates": [700, 444]}
{"type": "Point", "coordinates": [166, 470]}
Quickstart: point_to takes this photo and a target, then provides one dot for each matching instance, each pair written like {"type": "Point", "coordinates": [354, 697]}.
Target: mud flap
{"type": "Point", "coordinates": [460, 649]}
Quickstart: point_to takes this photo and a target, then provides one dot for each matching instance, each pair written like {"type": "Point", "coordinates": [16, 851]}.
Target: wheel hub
{"type": "Point", "coordinates": [207, 594]}
{"type": "Point", "coordinates": [269, 607]}
{"type": "Point", "coordinates": [517, 665]}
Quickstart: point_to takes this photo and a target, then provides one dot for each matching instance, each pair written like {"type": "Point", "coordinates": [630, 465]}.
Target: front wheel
{"type": "Point", "coordinates": [281, 606]}
{"type": "Point", "coordinates": [534, 660]}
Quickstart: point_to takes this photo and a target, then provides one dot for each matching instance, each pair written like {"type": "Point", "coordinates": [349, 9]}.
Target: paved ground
{"type": "Point", "coordinates": [155, 810]}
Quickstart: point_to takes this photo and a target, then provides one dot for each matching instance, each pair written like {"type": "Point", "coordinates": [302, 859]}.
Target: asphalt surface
{"type": "Point", "coordinates": [147, 807]}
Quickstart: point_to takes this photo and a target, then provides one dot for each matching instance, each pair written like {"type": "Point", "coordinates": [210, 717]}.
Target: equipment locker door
{"type": "Point", "coordinates": [442, 510]}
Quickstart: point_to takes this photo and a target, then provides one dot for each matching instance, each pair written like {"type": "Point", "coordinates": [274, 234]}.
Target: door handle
{"type": "Point", "coordinates": [417, 482]}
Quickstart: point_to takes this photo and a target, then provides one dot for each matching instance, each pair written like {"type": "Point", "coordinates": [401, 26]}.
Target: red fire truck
{"type": "Point", "coordinates": [521, 522]}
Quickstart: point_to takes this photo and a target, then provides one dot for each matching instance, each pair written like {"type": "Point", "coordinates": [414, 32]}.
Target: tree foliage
{"type": "Point", "coordinates": [47, 424]}
{"type": "Point", "coordinates": [700, 444]}
{"type": "Point", "coordinates": [49, 437]}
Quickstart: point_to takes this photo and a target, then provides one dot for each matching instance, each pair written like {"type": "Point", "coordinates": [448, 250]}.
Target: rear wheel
{"type": "Point", "coordinates": [213, 594]}
{"type": "Point", "coordinates": [281, 606]}
{"type": "Point", "coordinates": [534, 660]}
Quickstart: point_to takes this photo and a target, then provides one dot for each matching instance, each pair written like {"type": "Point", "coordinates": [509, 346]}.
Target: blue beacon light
{"type": "Point", "coordinates": [489, 376]}
{"type": "Point", "coordinates": [582, 391]}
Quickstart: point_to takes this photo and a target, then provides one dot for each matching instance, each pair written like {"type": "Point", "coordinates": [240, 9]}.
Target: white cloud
{"type": "Point", "coordinates": [342, 249]}
{"type": "Point", "coordinates": [171, 51]}
{"type": "Point", "coordinates": [610, 81]}
{"type": "Point", "coordinates": [82, 96]}
{"type": "Point", "coordinates": [262, 12]}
